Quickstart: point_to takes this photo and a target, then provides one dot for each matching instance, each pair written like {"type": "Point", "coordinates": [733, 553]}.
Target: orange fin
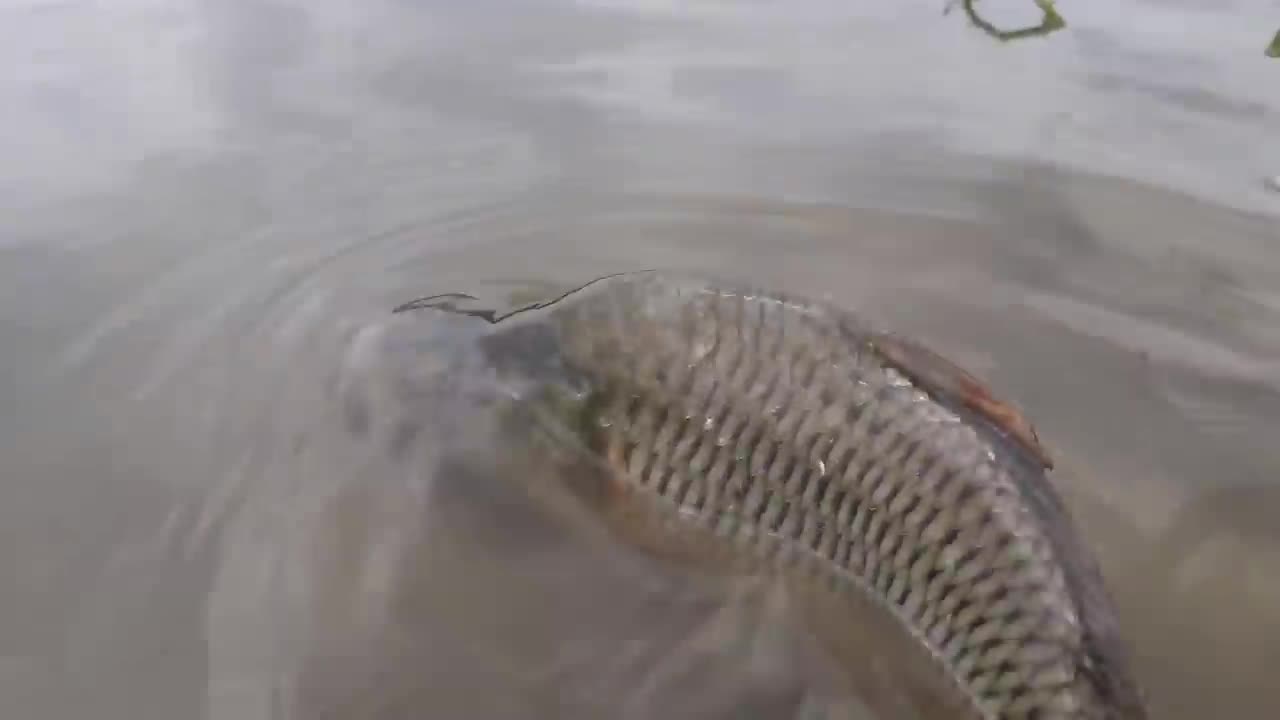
{"type": "Point", "coordinates": [937, 374]}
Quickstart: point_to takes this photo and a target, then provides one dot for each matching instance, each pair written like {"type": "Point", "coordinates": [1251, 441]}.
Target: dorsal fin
{"type": "Point", "coordinates": [937, 374]}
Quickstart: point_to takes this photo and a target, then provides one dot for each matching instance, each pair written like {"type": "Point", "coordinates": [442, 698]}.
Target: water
{"type": "Point", "coordinates": [206, 206]}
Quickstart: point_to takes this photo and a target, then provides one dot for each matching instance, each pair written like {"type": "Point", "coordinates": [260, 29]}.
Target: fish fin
{"type": "Point", "coordinates": [651, 530]}
{"type": "Point", "coordinates": [592, 487]}
{"type": "Point", "coordinates": [939, 375]}
{"type": "Point", "coordinates": [878, 661]}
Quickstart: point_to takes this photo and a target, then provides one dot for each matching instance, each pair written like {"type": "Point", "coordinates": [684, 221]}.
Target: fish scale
{"type": "Point", "coordinates": [751, 431]}
{"type": "Point", "coordinates": [736, 367]}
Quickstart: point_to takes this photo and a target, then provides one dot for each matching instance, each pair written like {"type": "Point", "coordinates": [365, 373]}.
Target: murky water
{"type": "Point", "coordinates": [206, 205]}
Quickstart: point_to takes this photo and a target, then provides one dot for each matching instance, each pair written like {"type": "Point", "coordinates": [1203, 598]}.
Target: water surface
{"type": "Point", "coordinates": [207, 207]}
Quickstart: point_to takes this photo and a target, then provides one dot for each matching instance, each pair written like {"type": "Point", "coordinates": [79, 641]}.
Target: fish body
{"type": "Point", "coordinates": [907, 510]}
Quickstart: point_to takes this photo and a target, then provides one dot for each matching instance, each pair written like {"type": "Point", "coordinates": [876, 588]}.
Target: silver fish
{"type": "Point", "coordinates": [906, 508]}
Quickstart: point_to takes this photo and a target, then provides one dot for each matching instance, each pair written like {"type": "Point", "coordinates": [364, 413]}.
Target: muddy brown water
{"type": "Point", "coordinates": [205, 207]}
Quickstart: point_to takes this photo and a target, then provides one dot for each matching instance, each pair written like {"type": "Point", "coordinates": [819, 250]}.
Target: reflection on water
{"type": "Point", "coordinates": [207, 207]}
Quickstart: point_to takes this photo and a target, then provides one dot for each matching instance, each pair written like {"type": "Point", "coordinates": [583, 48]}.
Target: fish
{"type": "Point", "coordinates": [905, 507]}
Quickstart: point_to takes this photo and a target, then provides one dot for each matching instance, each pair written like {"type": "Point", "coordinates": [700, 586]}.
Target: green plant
{"type": "Point", "coordinates": [1050, 22]}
